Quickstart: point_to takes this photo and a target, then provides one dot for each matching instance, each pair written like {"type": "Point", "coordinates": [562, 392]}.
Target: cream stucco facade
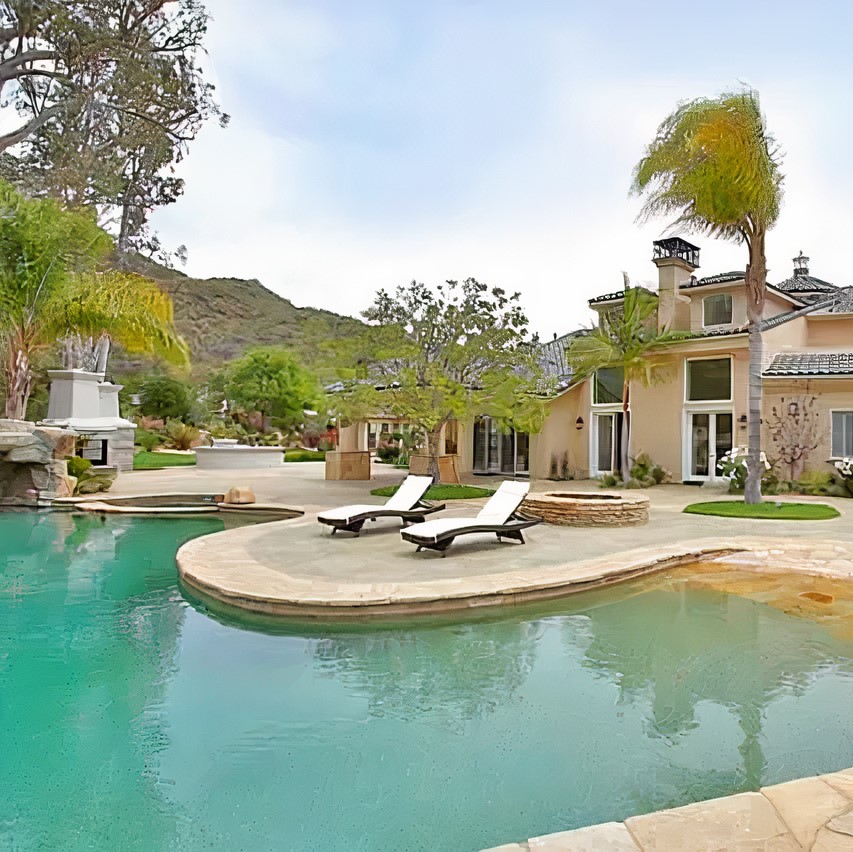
{"type": "Point", "coordinates": [810, 319]}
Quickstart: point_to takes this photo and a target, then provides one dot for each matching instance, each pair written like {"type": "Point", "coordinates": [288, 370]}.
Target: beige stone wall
{"type": "Point", "coordinates": [828, 394]}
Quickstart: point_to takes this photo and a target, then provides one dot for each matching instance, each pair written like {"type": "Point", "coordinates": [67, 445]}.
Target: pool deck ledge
{"type": "Point", "coordinates": [812, 813]}
{"type": "Point", "coordinates": [296, 569]}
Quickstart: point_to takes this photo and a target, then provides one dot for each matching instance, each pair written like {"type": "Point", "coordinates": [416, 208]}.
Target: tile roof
{"type": "Point", "coordinates": [844, 304]}
{"type": "Point", "coordinates": [721, 278]}
{"type": "Point", "coordinates": [553, 359]}
{"type": "Point", "coordinates": [805, 284]}
{"type": "Point", "coordinates": [619, 294]}
{"type": "Point", "coordinates": [811, 364]}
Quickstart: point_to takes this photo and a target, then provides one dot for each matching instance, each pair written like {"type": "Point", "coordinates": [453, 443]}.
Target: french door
{"type": "Point", "coordinates": [709, 437]}
{"type": "Point", "coordinates": [497, 451]}
{"type": "Point", "coordinates": [607, 440]}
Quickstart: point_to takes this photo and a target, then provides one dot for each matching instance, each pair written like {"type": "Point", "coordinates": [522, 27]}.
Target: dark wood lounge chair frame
{"type": "Point", "coordinates": [512, 530]}
{"type": "Point", "coordinates": [408, 517]}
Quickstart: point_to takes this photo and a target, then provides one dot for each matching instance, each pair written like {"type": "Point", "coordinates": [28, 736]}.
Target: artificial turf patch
{"type": "Point", "coordinates": [765, 511]}
{"type": "Point", "coordinates": [441, 492]}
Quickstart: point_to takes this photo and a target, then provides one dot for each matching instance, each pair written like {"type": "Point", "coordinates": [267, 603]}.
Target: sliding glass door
{"type": "Point", "coordinates": [497, 451]}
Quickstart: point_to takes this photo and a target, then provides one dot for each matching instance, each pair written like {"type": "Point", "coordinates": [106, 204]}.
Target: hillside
{"type": "Point", "coordinates": [221, 318]}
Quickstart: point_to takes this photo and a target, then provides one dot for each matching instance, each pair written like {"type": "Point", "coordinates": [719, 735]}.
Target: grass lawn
{"type": "Point", "coordinates": [441, 492]}
{"type": "Point", "coordinates": [144, 460]}
{"type": "Point", "coordinates": [765, 511]}
{"type": "Point", "coordinates": [296, 455]}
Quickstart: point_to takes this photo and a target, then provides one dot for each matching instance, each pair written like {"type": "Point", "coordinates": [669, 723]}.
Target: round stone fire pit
{"type": "Point", "coordinates": [589, 509]}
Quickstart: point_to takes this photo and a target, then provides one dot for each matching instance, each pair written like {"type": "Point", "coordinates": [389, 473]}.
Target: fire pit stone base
{"type": "Point", "coordinates": [589, 509]}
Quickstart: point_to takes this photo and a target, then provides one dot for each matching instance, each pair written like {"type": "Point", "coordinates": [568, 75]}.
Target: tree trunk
{"type": "Point", "coordinates": [18, 383]}
{"type": "Point", "coordinates": [625, 437]}
{"type": "Point", "coordinates": [433, 439]}
{"type": "Point", "coordinates": [756, 283]}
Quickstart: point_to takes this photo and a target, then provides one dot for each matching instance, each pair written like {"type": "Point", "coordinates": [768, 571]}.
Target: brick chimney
{"type": "Point", "coordinates": [676, 260]}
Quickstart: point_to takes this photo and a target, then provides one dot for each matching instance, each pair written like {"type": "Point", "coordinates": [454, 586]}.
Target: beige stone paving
{"type": "Point", "coordinates": [809, 814]}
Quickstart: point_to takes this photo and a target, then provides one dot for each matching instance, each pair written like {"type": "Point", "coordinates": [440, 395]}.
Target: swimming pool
{"type": "Point", "coordinates": [131, 719]}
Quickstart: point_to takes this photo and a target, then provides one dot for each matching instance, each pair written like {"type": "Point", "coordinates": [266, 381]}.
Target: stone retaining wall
{"type": "Point", "coordinates": [32, 461]}
{"type": "Point", "coordinates": [585, 509]}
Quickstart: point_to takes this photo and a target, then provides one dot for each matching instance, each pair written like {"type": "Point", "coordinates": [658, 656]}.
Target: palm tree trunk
{"type": "Point", "coordinates": [18, 383]}
{"type": "Point", "coordinates": [756, 283]}
{"type": "Point", "coordinates": [625, 437]}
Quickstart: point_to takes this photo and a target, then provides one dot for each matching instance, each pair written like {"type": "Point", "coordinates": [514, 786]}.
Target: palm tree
{"type": "Point", "coordinates": [51, 286]}
{"type": "Point", "coordinates": [714, 166]}
{"type": "Point", "coordinates": [627, 338]}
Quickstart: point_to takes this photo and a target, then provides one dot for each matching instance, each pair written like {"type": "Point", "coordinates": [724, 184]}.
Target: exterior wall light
{"type": "Point", "coordinates": [579, 423]}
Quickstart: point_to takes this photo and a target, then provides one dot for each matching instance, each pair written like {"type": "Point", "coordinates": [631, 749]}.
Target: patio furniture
{"type": "Point", "coordinates": [407, 503]}
{"type": "Point", "coordinates": [500, 516]}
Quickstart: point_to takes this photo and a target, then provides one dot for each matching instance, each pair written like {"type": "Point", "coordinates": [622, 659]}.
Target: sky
{"type": "Point", "coordinates": [377, 142]}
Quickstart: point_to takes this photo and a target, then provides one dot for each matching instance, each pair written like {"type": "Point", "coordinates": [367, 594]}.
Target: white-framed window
{"type": "Point", "coordinates": [607, 386]}
{"type": "Point", "coordinates": [717, 310]}
{"type": "Point", "coordinates": [842, 434]}
{"type": "Point", "coordinates": [708, 380]}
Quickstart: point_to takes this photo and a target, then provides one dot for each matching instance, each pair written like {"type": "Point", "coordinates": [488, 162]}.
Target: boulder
{"type": "Point", "coordinates": [32, 461]}
{"type": "Point", "coordinates": [242, 495]}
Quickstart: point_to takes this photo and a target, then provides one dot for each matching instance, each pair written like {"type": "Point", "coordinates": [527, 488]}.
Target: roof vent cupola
{"type": "Point", "coordinates": [801, 265]}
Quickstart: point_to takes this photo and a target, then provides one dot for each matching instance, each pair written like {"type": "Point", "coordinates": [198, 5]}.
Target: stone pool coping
{"type": "Point", "coordinates": [812, 813]}
{"type": "Point", "coordinates": [222, 566]}
{"type": "Point", "coordinates": [107, 504]}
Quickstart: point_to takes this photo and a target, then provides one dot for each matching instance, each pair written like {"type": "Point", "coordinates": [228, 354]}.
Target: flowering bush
{"type": "Point", "coordinates": [844, 477]}
{"type": "Point", "coordinates": [733, 465]}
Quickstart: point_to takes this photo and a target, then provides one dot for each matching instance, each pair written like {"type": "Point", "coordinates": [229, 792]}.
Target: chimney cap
{"type": "Point", "coordinates": [675, 248]}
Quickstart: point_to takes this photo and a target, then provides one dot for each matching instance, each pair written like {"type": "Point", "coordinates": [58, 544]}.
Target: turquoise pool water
{"type": "Point", "coordinates": [131, 720]}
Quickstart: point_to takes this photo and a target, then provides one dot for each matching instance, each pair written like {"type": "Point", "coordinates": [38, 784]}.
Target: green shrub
{"type": "Point", "coordinates": [77, 466]}
{"type": "Point", "coordinates": [815, 482]}
{"type": "Point", "coordinates": [166, 398]}
{"type": "Point", "coordinates": [89, 481]}
{"type": "Point", "coordinates": [300, 455]}
{"type": "Point", "coordinates": [148, 440]}
{"type": "Point", "coordinates": [644, 473]}
{"type": "Point", "coordinates": [180, 435]}
{"type": "Point", "coordinates": [388, 454]}
{"type": "Point", "coordinates": [648, 472]}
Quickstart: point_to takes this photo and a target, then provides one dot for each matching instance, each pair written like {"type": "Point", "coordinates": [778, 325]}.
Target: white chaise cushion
{"type": "Point", "coordinates": [504, 502]}
{"type": "Point", "coordinates": [346, 513]}
{"type": "Point", "coordinates": [409, 494]}
{"type": "Point", "coordinates": [430, 530]}
{"type": "Point", "coordinates": [497, 511]}
{"type": "Point", "coordinates": [404, 499]}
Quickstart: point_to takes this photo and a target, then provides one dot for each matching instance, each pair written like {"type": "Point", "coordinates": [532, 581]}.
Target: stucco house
{"type": "Point", "coordinates": [689, 421]}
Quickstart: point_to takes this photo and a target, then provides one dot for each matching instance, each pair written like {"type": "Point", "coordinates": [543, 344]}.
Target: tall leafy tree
{"type": "Point", "coordinates": [110, 94]}
{"type": "Point", "coordinates": [714, 167]}
{"type": "Point", "coordinates": [432, 354]}
{"type": "Point", "coordinates": [270, 381]}
{"type": "Point", "coordinates": [626, 338]}
{"type": "Point", "coordinates": [51, 288]}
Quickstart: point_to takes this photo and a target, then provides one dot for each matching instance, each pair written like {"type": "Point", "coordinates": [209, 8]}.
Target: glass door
{"type": "Point", "coordinates": [711, 435]}
{"type": "Point", "coordinates": [605, 442]}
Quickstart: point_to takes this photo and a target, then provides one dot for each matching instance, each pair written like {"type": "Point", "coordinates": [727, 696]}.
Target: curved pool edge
{"type": "Point", "coordinates": [221, 567]}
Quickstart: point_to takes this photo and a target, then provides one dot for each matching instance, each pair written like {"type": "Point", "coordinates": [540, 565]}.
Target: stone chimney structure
{"type": "Point", "coordinates": [676, 260]}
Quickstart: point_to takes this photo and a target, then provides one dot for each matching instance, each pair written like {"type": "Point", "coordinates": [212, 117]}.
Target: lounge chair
{"type": "Point", "coordinates": [500, 516]}
{"type": "Point", "coordinates": [407, 503]}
